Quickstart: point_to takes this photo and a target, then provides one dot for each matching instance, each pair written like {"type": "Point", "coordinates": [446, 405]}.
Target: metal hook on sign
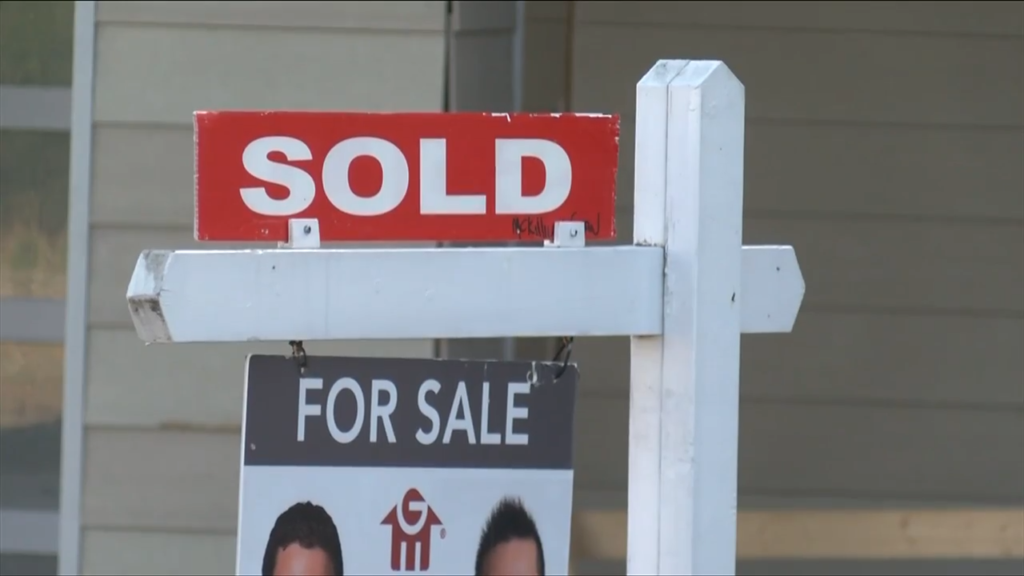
{"type": "Point", "coordinates": [299, 354]}
{"type": "Point", "coordinates": [563, 354]}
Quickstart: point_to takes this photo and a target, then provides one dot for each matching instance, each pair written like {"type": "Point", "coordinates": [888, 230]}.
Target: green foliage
{"type": "Point", "coordinates": [36, 42]}
{"type": "Point", "coordinates": [34, 179]}
{"type": "Point", "coordinates": [26, 255]}
{"type": "Point", "coordinates": [36, 48]}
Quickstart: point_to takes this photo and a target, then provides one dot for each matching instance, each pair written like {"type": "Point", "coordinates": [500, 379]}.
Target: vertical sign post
{"type": "Point", "coordinates": [684, 291]}
{"type": "Point", "coordinates": [684, 409]}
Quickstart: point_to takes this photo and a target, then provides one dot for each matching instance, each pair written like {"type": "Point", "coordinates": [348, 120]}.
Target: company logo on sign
{"type": "Point", "coordinates": [412, 524]}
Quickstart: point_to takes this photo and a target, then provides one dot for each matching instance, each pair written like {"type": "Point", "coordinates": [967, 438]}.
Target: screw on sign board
{"type": "Point", "coordinates": [405, 176]}
{"type": "Point", "coordinates": [382, 466]}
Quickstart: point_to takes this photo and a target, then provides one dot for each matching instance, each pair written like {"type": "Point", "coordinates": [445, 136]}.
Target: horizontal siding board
{"type": "Point", "coordinates": [143, 175]}
{"type": "Point", "coordinates": [587, 501]}
{"type": "Point", "coordinates": [931, 172]}
{"type": "Point", "coordinates": [961, 173]}
{"type": "Point", "coordinates": [544, 63]}
{"type": "Point", "coordinates": [162, 480]}
{"type": "Point", "coordinates": [398, 16]}
{"type": "Point", "coordinates": [858, 358]}
{"type": "Point", "coordinates": [818, 77]}
{"type": "Point", "coordinates": [839, 451]}
{"type": "Point", "coordinates": [546, 11]}
{"type": "Point", "coordinates": [755, 502]}
{"type": "Point", "coordinates": [114, 251]}
{"type": "Point", "coordinates": [476, 16]}
{"type": "Point", "coordinates": [129, 553]}
{"type": "Point", "coordinates": [839, 534]}
{"type": "Point", "coordinates": [35, 320]}
{"type": "Point", "coordinates": [859, 567]}
{"type": "Point", "coordinates": [191, 385]}
{"type": "Point", "coordinates": [920, 360]}
{"type": "Point", "coordinates": [139, 71]}
{"type": "Point", "coordinates": [959, 567]}
{"type": "Point", "coordinates": [903, 264]}
{"type": "Point", "coordinates": [882, 450]}
{"type": "Point", "coordinates": [996, 18]}
{"type": "Point", "coordinates": [481, 72]}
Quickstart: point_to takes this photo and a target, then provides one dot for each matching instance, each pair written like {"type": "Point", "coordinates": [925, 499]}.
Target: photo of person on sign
{"type": "Point", "coordinates": [510, 543]}
{"type": "Point", "coordinates": [303, 542]}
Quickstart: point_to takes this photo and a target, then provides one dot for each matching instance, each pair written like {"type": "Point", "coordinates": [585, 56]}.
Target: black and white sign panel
{"type": "Point", "coordinates": [395, 466]}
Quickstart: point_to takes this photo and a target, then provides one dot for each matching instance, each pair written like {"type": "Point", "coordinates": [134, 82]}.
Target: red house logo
{"type": "Point", "coordinates": [412, 524]}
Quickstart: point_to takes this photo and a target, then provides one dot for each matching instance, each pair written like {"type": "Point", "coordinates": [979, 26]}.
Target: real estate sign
{"type": "Point", "coordinates": [383, 466]}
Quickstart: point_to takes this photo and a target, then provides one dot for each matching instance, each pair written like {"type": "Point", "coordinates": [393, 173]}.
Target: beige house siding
{"type": "Point", "coordinates": [884, 141]}
{"type": "Point", "coordinates": [482, 56]}
{"type": "Point", "coordinates": [160, 472]}
{"type": "Point", "coordinates": [547, 51]}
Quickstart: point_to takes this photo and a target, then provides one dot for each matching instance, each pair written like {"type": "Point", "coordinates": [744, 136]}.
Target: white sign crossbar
{"type": "Point", "coordinates": [279, 295]}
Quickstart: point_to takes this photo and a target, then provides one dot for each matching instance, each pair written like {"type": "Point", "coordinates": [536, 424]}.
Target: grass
{"type": "Point", "coordinates": [31, 384]}
{"type": "Point", "coordinates": [36, 42]}
{"type": "Point", "coordinates": [32, 264]}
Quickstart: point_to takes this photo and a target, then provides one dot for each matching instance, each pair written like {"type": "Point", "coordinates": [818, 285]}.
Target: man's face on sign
{"type": "Point", "coordinates": [294, 560]}
{"type": "Point", "coordinates": [516, 557]}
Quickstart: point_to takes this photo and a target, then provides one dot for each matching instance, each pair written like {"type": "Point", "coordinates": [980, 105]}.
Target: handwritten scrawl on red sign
{"type": "Point", "coordinates": [364, 176]}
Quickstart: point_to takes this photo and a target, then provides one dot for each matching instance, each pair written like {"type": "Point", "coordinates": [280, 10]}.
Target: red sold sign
{"type": "Point", "coordinates": [464, 176]}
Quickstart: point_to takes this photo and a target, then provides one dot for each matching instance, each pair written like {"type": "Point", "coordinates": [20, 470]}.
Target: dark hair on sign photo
{"type": "Point", "coordinates": [309, 526]}
{"type": "Point", "coordinates": [508, 521]}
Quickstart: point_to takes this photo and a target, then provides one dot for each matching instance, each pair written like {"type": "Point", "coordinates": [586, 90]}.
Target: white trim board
{"type": "Point", "coordinates": [76, 315]}
{"type": "Point", "coordinates": [31, 320]}
{"type": "Point", "coordinates": [35, 108]}
{"type": "Point", "coordinates": [371, 294]}
{"type": "Point", "coordinates": [29, 531]}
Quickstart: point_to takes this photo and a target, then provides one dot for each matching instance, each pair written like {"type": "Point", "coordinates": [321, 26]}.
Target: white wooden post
{"type": "Point", "coordinates": [684, 292]}
{"type": "Point", "coordinates": [646, 352]}
{"type": "Point", "coordinates": [684, 393]}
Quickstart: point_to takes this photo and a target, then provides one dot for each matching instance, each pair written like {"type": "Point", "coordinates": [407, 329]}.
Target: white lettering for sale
{"type": "Point", "coordinates": [461, 418]}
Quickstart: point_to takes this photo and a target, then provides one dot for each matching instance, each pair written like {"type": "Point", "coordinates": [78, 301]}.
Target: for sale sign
{"type": "Point", "coordinates": [366, 176]}
{"type": "Point", "coordinates": [385, 466]}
